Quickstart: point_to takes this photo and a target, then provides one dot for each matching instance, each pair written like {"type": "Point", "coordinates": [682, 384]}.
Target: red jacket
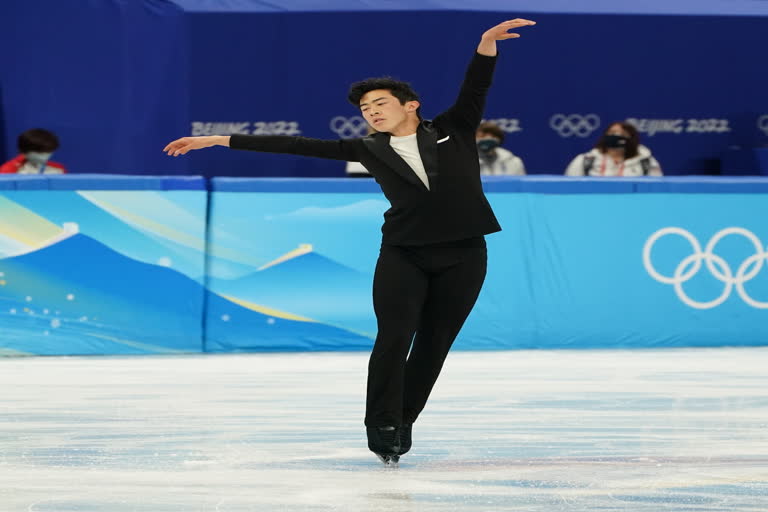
{"type": "Point", "coordinates": [13, 166]}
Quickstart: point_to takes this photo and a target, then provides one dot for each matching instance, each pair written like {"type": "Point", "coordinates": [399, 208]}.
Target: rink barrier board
{"type": "Point", "coordinates": [183, 264]}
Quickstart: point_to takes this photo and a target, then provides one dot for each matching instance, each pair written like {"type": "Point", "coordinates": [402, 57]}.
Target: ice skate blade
{"type": "Point", "coordinates": [389, 460]}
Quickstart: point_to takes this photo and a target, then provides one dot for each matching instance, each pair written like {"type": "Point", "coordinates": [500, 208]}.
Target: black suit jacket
{"type": "Point", "coordinates": [454, 207]}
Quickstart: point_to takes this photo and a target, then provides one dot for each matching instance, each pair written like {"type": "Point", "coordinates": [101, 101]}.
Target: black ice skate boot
{"type": "Point", "coordinates": [385, 443]}
{"type": "Point", "coordinates": [405, 438]}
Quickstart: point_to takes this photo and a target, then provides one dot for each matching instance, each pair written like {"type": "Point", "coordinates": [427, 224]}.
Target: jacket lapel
{"type": "Point", "coordinates": [426, 137]}
{"type": "Point", "coordinates": [378, 144]}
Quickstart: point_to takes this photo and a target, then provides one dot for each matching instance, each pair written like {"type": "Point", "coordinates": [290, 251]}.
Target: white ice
{"type": "Point", "coordinates": [666, 430]}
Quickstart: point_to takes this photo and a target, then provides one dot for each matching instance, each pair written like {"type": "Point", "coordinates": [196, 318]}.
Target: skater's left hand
{"type": "Point", "coordinates": [500, 32]}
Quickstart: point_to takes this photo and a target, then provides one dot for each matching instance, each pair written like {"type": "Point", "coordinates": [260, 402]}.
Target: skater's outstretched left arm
{"type": "Point", "coordinates": [500, 32]}
{"type": "Point", "coordinates": [468, 109]}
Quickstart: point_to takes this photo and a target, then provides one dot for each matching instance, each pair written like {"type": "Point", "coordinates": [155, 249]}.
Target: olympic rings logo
{"type": "Point", "coordinates": [574, 124]}
{"type": "Point", "coordinates": [716, 265]}
{"type": "Point", "coordinates": [762, 123]}
{"type": "Point", "coordinates": [348, 128]}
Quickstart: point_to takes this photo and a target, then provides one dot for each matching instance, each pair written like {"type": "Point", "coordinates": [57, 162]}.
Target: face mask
{"type": "Point", "coordinates": [616, 141]}
{"type": "Point", "coordinates": [487, 145]}
{"type": "Point", "coordinates": [36, 158]}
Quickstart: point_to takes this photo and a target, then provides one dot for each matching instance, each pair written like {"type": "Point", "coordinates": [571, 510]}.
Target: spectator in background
{"type": "Point", "coordinates": [493, 158]}
{"type": "Point", "coordinates": [35, 150]}
{"type": "Point", "coordinates": [618, 152]}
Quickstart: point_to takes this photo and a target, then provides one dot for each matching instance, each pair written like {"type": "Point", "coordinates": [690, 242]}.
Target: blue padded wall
{"type": "Point", "coordinates": [111, 265]}
{"type": "Point", "coordinates": [102, 265]}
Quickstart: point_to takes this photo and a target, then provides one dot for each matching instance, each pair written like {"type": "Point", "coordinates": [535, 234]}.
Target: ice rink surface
{"type": "Point", "coordinates": [666, 430]}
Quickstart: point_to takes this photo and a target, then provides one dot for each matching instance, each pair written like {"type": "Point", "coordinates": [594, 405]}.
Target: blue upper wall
{"type": "Point", "coordinates": [117, 79]}
{"type": "Point", "coordinates": [684, 7]}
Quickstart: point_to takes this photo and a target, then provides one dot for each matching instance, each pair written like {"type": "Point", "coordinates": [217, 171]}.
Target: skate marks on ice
{"type": "Point", "coordinates": [520, 431]}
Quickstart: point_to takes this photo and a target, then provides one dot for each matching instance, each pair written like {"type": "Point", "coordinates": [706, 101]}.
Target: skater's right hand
{"type": "Point", "coordinates": [186, 144]}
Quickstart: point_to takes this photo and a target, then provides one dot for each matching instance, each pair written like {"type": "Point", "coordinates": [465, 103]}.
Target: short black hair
{"type": "Point", "coordinates": [399, 89]}
{"type": "Point", "coordinates": [38, 140]}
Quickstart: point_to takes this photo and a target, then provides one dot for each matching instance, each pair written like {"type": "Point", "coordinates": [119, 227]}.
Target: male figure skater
{"type": "Point", "coordinates": [432, 260]}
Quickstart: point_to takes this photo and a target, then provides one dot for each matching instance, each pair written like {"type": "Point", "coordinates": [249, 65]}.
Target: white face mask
{"type": "Point", "coordinates": [36, 158]}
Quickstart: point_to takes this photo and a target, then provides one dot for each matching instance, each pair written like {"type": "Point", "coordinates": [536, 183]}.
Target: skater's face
{"type": "Point", "coordinates": [384, 112]}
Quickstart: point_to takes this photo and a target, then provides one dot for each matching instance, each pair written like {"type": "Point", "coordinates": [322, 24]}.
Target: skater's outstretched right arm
{"type": "Point", "coordinates": [332, 149]}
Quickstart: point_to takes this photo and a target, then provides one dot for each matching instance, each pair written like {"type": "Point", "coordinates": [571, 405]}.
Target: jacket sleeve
{"type": "Point", "coordinates": [468, 109]}
{"type": "Point", "coordinates": [343, 149]}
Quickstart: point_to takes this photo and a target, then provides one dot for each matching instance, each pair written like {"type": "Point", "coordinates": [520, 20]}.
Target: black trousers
{"type": "Point", "coordinates": [422, 296]}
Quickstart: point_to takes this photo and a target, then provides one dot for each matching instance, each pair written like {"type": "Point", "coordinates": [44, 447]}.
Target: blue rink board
{"type": "Point", "coordinates": [567, 271]}
{"type": "Point", "coordinates": [100, 182]}
{"type": "Point", "coordinates": [131, 265]}
{"type": "Point", "coordinates": [102, 264]}
{"type": "Point", "coordinates": [542, 184]}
